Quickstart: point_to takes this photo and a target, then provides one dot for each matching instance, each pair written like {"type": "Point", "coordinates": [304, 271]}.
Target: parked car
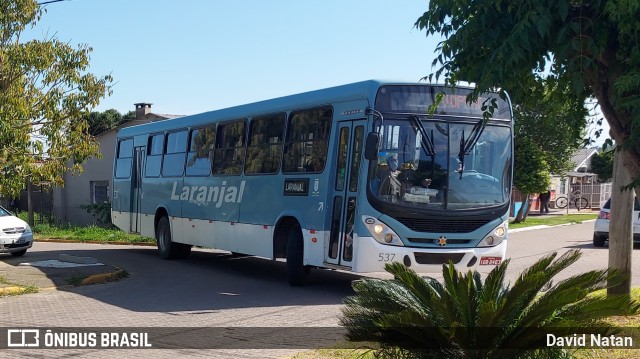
{"type": "Point", "coordinates": [15, 234]}
{"type": "Point", "coordinates": [601, 227]}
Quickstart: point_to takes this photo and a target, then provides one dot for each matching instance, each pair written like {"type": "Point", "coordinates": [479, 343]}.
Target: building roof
{"type": "Point", "coordinates": [149, 117]}
{"type": "Point", "coordinates": [580, 158]}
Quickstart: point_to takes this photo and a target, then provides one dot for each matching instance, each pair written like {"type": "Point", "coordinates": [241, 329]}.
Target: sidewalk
{"type": "Point", "coordinates": [560, 212]}
{"type": "Point", "coordinates": [33, 272]}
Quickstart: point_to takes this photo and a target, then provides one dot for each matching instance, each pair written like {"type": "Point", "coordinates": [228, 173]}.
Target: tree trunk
{"type": "Point", "coordinates": [620, 226]}
{"type": "Point", "coordinates": [522, 212]}
{"type": "Point", "coordinates": [30, 203]}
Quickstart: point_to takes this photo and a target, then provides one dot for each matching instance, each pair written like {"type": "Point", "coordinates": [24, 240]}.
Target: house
{"type": "Point", "coordinates": [580, 178]}
{"type": "Point", "coordinates": [93, 184]}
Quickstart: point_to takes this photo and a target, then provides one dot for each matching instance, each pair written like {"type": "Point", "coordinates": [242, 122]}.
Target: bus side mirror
{"type": "Point", "coordinates": [371, 146]}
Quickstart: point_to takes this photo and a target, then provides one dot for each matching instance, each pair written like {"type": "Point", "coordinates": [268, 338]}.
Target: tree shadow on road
{"type": "Point", "coordinates": [205, 281]}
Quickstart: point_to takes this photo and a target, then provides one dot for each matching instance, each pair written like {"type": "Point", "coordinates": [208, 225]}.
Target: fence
{"type": "Point", "coordinates": [595, 193]}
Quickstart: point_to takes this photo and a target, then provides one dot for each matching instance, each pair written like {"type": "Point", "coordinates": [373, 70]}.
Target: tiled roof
{"type": "Point", "coordinates": [580, 157]}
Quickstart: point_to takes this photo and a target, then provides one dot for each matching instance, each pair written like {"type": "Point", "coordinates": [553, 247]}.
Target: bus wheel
{"type": "Point", "coordinates": [167, 248]}
{"type": "Point", "coordinates": [296, 271]}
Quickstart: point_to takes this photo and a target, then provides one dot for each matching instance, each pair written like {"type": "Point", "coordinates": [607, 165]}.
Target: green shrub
{"type": "Point", "coordinates": [415, 317]}
{"type": "Point", "coordinates": [101, 212]}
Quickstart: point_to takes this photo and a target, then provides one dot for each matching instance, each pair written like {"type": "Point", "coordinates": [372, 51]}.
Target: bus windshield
{"type": "Point", "coordinates": [431, 163]}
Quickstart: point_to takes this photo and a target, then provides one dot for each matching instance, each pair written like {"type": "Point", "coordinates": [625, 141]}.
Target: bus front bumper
{"type": "Point", "coordinates": [371, 256]}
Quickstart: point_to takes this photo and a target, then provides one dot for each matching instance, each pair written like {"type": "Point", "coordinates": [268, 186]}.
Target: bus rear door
{"type": "Point", "coordinates": [136, 187]}
{"type": "Point", "coordinates": [342, 204]}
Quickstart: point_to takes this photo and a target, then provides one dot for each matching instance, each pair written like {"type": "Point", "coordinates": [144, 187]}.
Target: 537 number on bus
{"type": "Point", "coordinates": [386, 257]}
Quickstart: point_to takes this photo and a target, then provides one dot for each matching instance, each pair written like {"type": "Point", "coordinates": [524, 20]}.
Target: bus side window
{"type": "Point", "coordinates": [125, 158]}
{"type": "Point", "coordinates": [264, 151]}
{"type": "Point", "coordinates": [201, 151]}
{"type": "Point", "coordinates": [154, 155]}
{"type": "Point", "coordinates": [307, 140]}
{"type": "Point", "coordinates": [174, 154]}
{"type": "Point", "coordinates": [228, 156]}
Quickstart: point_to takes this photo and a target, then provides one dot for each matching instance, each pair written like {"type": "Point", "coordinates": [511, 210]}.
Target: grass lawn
{"type": "Point", "coordinates": [554, 220]}
{"type": "Point", "coordinates": [87, 234]}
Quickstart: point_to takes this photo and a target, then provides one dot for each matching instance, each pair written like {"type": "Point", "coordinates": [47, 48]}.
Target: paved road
{"type": "Point", "coordinates": [215, 289]}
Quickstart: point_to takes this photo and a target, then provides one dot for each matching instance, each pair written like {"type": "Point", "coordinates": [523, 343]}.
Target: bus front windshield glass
{"type": "Point", "coordinates": [437, 164]}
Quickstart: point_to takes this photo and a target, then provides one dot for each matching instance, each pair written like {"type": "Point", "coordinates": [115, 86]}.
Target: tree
{"type": "Point", "coordinates": [531, 172]}
{"type": "Point", "coordinates": [590, 46]}
{"type": "Point", "coordinates": [45, 94]}
{"type": "Point", "coordinates": [548, 129]}
{"type": "Point", "coordinates": [465, 317]}
{"type": "Point", "coordinates": [602, 165]}
{"type": "Point", "coordinates": [100, 122]}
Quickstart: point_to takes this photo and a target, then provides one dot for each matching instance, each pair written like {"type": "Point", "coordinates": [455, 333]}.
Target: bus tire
{"type": "Point", "coordinates": [166, 247]}
{"type": "Point", "coordinates": [296, 271]}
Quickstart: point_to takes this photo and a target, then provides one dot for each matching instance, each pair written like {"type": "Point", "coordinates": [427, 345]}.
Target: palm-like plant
{"type": "Point", "coordinates": [463, 317]}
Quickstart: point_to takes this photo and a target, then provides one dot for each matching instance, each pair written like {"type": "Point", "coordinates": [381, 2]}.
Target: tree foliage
{"type": "Point", "coordinates": [466, 317]}
{"type": "Point", "coordinates": [531, 170]}
{"type": "Point", "coordinates": [554, 119]}
{"type": "Point", "coordinates": [100, 122]}
{"type": "Point", "coordinates": [45, 93]}
{"type": "Point", "coordinates": [589, 45]}
{"type": "Point", "coordinates": [602, 165]}
{"type": "Point", "coordinates": [548, 128]}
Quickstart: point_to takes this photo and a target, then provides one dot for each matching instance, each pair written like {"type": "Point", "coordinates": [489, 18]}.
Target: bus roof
{"type": "Point", "coordinates": [357, 90]}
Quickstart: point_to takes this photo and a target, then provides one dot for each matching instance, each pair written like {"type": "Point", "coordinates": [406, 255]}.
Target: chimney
{"type": "Point", "coordinates": [142, 108]}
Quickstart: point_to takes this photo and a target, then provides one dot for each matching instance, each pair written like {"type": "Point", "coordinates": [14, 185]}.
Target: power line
{"type": "Point", "coordinates": [49, 2]}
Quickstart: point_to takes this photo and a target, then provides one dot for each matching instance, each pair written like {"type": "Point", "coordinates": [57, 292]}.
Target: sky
{"type": "Point", "coordinates": [192, 56]}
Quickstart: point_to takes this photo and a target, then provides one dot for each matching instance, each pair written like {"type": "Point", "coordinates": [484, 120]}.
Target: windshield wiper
{"type": "Point", "coordinates": [467, 145]}
{"type": "Point", "coordinates": [425, 140]}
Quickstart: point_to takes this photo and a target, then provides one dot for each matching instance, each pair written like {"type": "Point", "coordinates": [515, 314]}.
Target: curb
{"type": "Point", "coordinates": [104, 277]}
{"type": "Point", "coordinates": [92, 279]}
{"type": "Point", "coordinates": [12, 290]}
{"type": "Point", "coordinates": [60, 240]}
{"type": "Point", "coordinates": [544, 226]}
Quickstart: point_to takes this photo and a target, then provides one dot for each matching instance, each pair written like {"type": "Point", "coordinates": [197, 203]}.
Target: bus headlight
{"type": "Point", "coordinates": [381, 232]}
{"type": "Point", "coordinates": [496, 236]}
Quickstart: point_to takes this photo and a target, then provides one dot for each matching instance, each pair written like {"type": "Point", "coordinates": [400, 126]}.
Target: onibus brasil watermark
{"type": "Point", "coordinates": [47, 338]}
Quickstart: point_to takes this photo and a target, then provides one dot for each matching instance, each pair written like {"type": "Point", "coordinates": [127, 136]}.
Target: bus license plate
{"type": "Point", "coordinates": [490, 261]}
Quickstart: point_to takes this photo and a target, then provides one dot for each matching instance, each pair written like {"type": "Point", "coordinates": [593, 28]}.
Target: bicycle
{"type": "Point", "coordinates": [579, 202]}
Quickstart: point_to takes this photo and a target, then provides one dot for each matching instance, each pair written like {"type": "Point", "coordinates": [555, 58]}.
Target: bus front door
{"type": "Point", "coordinates": [339, 248]}
{"type": "Point", "coordinates": [136, 187]}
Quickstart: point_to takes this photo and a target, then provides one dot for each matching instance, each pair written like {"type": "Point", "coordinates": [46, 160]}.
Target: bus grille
{"type": "Point", "coordinates": [434, 241]}
{"type": "Point", "coordinates": [441, 225]}
{"type": "Point", "coordinates": [438, 258]}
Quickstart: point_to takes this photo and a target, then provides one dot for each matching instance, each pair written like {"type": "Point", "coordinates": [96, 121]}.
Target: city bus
{"type": "Point", "coordinates": [349, 178]}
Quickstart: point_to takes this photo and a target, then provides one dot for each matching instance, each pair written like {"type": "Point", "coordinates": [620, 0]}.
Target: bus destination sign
{"type": "Point", "coordinates": [296, 187]}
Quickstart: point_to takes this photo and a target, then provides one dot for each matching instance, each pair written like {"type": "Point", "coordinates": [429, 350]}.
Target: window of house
{"type": "Point", "coordinates": [99, 192]}
{"type": "Point", "coordinates": [229, 151]}
{"type": "Point", "coordinates": [264, 150]}
{"type": "Point", "coordinates": [174, 154]}
{"type": "Point", "coordinates": [201, 145]}
{"type": "Point", "coordinates": [124, 158]}
{"type": "Point", "coordinates": [154, 155]}
{"type": "Point", "coordinates": [307, 140]}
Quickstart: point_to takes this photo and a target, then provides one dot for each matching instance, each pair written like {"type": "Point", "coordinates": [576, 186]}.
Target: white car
{"type": "Point", "coordinates": [601, 227]}
{"type": "Point", "coordinates": [15, 234]}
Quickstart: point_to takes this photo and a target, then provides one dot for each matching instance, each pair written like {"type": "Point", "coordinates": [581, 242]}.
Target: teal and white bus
{"type": "Point", "coordinates": [350, 178]}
